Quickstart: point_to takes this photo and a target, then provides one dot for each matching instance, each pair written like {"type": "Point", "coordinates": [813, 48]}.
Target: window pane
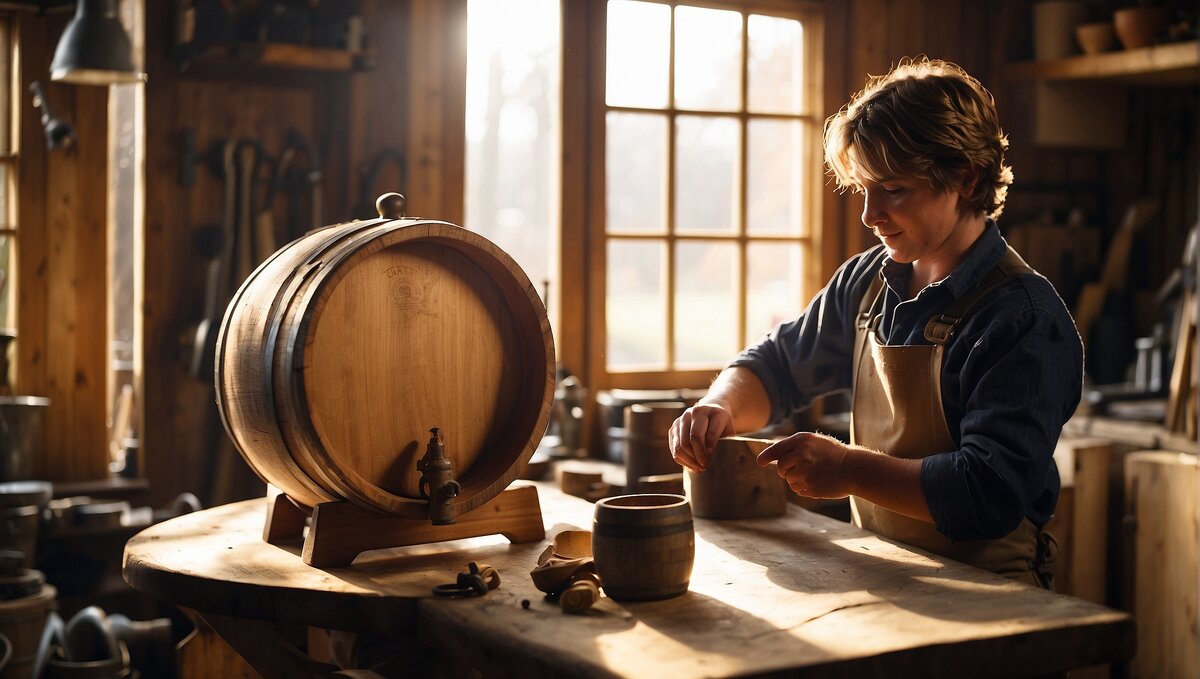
{"type": "Point", "coordinates": [706, 174]}
{"type": "Point", "coordinates": [638, 54]}
{"type": "Point", "coordinates": [708, 59]}
{"type": "Point", "coordinates": [774, 177]}
{"type": "Point", "coordinates": [512, 131]}
{"type": "Point", "coordinates": [776, 64]}
{"type": "Point", "coordinates": [706, 275]}
{"type": "Point", "coordinates": [774, 272]}
{"type": "Point", "coordinates": [636, 304]}
{"type": "Point", "coordinates": [635, 172]}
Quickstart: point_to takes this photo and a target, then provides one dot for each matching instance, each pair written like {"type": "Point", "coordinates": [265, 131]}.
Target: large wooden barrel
{"type": "Point", "coordinates": [341, 352]}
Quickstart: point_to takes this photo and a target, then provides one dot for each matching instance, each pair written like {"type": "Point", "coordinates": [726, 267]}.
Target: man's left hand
{"type": "Point", "coordinates": [813, 464]}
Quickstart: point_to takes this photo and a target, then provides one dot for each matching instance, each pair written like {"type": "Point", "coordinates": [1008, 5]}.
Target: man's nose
{"type": "Point", "coordinates": [873, 214]}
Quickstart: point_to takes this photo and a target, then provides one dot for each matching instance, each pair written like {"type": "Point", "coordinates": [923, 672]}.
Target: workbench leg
{"type": "Point", "coordinates": [265, 649]}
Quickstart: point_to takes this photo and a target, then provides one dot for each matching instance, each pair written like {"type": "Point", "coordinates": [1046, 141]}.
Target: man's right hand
{"type": "Point", "coordinates": [694, 435]}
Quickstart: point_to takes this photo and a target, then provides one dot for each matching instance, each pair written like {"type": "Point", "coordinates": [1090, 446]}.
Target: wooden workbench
{"type": "Point", "coordinates": [801, 593]}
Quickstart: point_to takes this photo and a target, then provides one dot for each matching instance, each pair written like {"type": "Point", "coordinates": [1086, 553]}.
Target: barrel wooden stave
{"type": "Point", "coordinates": [733, 486]}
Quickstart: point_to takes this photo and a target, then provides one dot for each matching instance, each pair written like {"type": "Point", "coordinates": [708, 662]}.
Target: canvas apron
{"type": "Point", "coordinates": [897, 409]}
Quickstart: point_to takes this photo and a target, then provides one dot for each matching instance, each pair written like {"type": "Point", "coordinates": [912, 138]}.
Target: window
{"type": "Point", "coordinates": [657, 159]}
{"type": "Point", "coordinates": [514, 52]}
{"type": "Point", "coordinates": [711, 159]}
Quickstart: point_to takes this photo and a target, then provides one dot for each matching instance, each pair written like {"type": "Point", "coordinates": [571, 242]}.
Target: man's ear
{"type": "Point", "coordinates": [970, 178]}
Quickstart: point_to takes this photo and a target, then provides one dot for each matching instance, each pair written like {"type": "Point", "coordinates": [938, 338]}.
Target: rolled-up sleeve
{"type": "Point", "coordinates": [812, 355]}
{"type": "Point", "coordinates": [1019, 383]}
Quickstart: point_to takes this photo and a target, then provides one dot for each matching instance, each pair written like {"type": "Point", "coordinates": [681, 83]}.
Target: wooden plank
{"type": "Point", "coordinates": [1080, 524]}
{"type": "Point", "coordinates": [1161, 496]}
{"type": "Point", "coordinates": [796, 592]}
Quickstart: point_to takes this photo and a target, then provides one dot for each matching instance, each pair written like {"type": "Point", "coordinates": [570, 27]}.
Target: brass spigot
{"type": "Point", "coordinates": [437, 480]}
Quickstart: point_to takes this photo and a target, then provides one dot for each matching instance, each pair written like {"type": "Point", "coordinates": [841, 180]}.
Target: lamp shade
{"type": "Point", "coordinates": [94, 49]}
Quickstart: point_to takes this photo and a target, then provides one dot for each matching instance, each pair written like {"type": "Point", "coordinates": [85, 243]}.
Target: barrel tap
{"type": "Point", "coordinates": [437, 480]}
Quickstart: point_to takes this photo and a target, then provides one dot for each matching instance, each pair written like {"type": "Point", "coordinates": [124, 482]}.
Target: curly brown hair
{"type": "Point", "coordinates": [928, 119]}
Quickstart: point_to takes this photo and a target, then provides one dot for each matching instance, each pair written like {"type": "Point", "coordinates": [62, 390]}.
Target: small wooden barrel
{"type": "Point", "coordinates": [734, 486]}
{"type": "Point", "coordinates": [340, 353]}
{"type": "Point", "coordinates": [646, 449]}
{"type": "Point", "coordinates": [643, 546]}
{"type": "Point", "coordinates": [22, 621]}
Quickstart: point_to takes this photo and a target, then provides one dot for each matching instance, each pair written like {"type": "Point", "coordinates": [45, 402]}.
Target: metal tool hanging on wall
{"type": "Point", "coordinates": [369, 175]}
{"type": "Point", "coordinates": [59, 134]}
{"type": "Point", "coordinates": [296, 179]}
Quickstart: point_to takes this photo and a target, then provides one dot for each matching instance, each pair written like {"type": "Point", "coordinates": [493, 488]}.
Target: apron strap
{"type": "Point", "coordinates": [941, 326]}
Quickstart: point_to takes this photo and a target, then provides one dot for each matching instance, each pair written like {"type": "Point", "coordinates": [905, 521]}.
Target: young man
{"type": "Point", "coordinates": [963, 362]}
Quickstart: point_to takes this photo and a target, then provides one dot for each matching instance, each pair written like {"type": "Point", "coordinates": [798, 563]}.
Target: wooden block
{"type": "Point", "coordinates": [661, 483]}
{"type": "Point", "coordinates": [341, 531]}
{"type": "Point", "coordinates": [734, 486]}
{"type": "Point", "coordinates": [285, 521]}
{"type": "Point", "coordinates": [1161, 497]}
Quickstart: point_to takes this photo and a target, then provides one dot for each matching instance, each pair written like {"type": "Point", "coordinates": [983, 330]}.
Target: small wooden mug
{"type": "Point", "coordinates": [734, 486]}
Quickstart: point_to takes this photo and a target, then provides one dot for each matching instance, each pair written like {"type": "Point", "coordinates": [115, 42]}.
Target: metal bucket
{"type": "Point", "coordinates": [22, 419]}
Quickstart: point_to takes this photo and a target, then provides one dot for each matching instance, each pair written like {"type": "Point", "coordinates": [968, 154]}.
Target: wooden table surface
{"type": "Point", "coordinates": [799, 592]}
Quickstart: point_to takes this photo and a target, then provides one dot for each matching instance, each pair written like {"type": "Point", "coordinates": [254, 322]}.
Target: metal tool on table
{"type": "Point", "coordinates": [477, 581]}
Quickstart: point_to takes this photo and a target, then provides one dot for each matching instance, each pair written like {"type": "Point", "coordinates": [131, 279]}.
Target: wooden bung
{"type": "Point", "coordinates": [734, 486]}
{"type": "Point", "coordinates": [340, 353]}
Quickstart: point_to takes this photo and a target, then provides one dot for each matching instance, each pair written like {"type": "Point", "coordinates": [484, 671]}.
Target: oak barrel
{"type": "Point", "coordinates": [644, 546]}
{"type": "Point", "coordinates": [341, 352]}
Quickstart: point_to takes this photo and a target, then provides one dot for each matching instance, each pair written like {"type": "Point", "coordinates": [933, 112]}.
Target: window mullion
{"type": "Point", "coordinates": [670, 201]}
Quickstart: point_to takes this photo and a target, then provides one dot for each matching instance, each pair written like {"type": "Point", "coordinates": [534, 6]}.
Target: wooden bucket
{"type": "Point", "coordinates": [22, 621]}
{"type": "Point", "coordinates": [646, 449]}
{"type": "Point", "coordinates": [339, 354]}
{"type": "Point", "coordinates": [644, 546]}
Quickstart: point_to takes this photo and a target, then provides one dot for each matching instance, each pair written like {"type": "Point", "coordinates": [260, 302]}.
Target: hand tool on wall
{"type": "Point", "coordinates": [369, 176]}
{"type": "Point", "coordinates": [243, 244]}
{"type": "Point", "coordinates": [217, 246]}
{"type": "Point", "coordinates": [298, 179]}
{"type": "Point", "coordinates": [264, 219]}
{"type": "Point", "coordinates": [58, 133]}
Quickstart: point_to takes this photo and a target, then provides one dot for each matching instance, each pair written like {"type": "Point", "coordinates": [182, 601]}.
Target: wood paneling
{"type": "Point", "coordinates": [62, 208]}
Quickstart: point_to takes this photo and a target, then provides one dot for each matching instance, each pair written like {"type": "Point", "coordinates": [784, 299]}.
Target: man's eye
{"type": "Point", "coordinates": [893, 191]}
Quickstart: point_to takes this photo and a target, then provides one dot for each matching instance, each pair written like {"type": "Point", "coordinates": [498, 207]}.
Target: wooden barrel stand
{"type": "Point", "coordinates": [340, 531]}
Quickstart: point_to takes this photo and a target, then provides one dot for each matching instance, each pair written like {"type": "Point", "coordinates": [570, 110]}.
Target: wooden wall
{"type": "Point", "coordinates": [869, 37]}
{"type": "Point", "coordinates": [61, 205]}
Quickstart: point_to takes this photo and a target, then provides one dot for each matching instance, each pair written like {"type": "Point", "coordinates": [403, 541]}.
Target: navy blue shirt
{"type": "Point", "coordinates": [1012, 374]}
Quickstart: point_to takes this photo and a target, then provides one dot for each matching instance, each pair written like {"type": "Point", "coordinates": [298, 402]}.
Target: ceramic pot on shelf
{"type": "Point", "coordinates": [1139, 26]}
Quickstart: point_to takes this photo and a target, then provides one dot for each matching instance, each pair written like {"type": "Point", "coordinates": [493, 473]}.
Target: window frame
{"type": "Point", "coordinates": [596, 237]}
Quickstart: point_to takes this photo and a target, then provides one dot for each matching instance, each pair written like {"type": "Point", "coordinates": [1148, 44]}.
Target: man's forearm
{"type": "Point", "coordinates": [740, 392]}
{"type": "Point", "coordinates": [890, 482]}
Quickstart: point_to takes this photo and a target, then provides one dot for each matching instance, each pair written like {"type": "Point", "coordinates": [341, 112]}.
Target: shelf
{"type": "Point", "coordinates": [1175, 64]}
{"type": "Point", "coordinates": [283, 56]}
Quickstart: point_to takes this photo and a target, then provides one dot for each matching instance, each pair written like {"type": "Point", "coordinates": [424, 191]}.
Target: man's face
{"type": "Point", "coordinates": [912, 219]}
